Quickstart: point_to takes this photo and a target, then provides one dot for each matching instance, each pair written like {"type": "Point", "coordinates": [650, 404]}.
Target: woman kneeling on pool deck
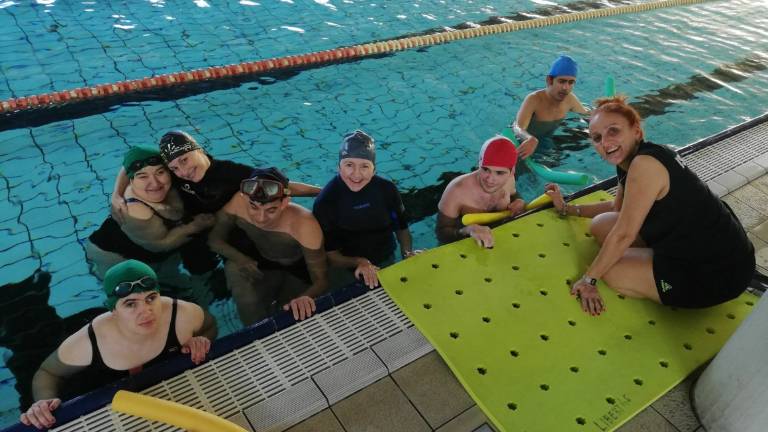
{"type": "Point", "coordinates": [358, 212]}
{"type": "Point", "coordinates": [665, 237]}
{"type": "Point", "coordinates": [142, 328]}
{"type": "Point", "coordinates": [154, 227]}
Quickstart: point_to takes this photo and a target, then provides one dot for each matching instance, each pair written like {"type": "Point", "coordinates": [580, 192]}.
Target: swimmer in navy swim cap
{"type": "Point", "coordinates": [543, 110]}
{"type": "Point", "coordinates": [490, 188]}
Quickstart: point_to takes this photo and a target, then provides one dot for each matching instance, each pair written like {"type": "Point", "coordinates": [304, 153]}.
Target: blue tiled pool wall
{"type": "Point", "coordinates": [429, 109]}
{"type": "Point", "coordinates": [67, 44]}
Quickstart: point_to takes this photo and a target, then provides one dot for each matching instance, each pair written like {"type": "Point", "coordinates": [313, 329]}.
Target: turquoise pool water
{"type": "Point", "coordinates": [693, 71]}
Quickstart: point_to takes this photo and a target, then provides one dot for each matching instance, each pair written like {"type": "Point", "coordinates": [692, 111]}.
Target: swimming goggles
{"type": "Point", "coordinates": [124, 289]}
{"type": "Point", "coordinates": [263, 190]}
{"type": "Point", "coordinates": [136, 165]}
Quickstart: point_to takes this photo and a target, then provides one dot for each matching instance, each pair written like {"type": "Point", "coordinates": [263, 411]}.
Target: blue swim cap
{"type": "Point", "coordinates": [564, 66]}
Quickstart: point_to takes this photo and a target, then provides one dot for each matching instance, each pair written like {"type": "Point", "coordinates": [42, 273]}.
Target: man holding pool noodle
{"type": "Point", "coordinates": [543, 110]}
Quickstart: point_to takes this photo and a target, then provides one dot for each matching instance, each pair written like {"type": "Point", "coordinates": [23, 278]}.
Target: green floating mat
{"type": "Point", "coordinates": [504, 321]}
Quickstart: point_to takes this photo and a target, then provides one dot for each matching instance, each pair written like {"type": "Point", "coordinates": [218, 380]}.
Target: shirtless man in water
{"type": "Point", "coordinates": [276, 259]}
{"type": "Point", "coordinates": [490, 188]}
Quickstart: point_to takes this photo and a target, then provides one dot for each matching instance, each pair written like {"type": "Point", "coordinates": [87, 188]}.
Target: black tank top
{"type": "Point", "coordinates": [690, 222]}
{"type": "Point", "coordinates": [168, 222]}
{"type": "Point", "coordinates": [172, 346]}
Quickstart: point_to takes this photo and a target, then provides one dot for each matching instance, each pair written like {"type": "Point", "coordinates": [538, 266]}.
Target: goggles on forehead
{"type": "Point", "coordinates": [263, 190]}
{"type": "Point", "coordinates": [124, 289]}
{"type": "Point", "coordinates": [136, 165]}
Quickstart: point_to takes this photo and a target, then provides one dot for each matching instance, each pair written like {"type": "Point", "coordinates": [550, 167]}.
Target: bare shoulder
{"type": "Point", "coordinates": [304, 226]}
{"type": "Point", "coordinates": [455, 194]}
{"type": "Point", "coordinates": [645, 165]}
{"type": "Point", "coordinates": [76, 349]}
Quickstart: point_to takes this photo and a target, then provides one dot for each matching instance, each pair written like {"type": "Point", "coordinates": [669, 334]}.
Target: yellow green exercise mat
{"type": "Point", "coordinates": [505, 323]}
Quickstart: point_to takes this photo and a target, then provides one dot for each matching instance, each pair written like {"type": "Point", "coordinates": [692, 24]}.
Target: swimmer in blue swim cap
{"type": "Point", "coordinates": [543, 110]}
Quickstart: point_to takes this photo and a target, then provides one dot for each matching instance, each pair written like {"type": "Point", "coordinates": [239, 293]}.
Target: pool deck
{"type": "Point", "coordinates": [425, 396]}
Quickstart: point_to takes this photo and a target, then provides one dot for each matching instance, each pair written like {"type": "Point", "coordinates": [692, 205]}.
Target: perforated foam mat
{"type": "Point", "coordinates": [505, 323]}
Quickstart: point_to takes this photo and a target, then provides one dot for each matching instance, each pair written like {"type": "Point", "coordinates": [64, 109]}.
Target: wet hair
{"type": "Point", "coordinates": [618, 105]}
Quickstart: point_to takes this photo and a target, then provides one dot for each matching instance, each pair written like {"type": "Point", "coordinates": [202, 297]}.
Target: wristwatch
{"type": "Point", "coordinates": [589, 280]}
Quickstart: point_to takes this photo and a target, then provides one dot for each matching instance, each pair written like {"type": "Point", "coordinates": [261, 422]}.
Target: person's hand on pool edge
{"type": "Point", "coordinates": [198, 348]}
{"type": "Point", "coordinates": [516, 207]}
{"type": "Point", "coordinates": [553, 191]}
{"type": "Point", "coordinates": [39, 414]}
{"type": "Point", "coordinates": [481, 234]}
{"type": "Point", "coordinates": [590, 299]}
{"type": "Point", "coordinates": [367, 271]}
{"type": "Point", "coordinates": [302, 307]}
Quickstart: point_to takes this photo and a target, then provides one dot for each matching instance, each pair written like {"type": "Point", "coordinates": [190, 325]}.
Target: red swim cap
{"type": "Point", "coordinates": [498, 151]}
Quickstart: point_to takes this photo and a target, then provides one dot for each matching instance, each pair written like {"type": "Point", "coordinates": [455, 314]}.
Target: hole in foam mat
{"type": "Point", "coordinates": [515, 235]}
{"type": "Point", "coordinates": [463, 256]}
{"type": "Point", "coordinates": [588, 235]}
{"type": "Point", "coordinates": [489, 280]}
{"type": "Point", "coordinates": [544, 387]}
{"type": "Point", "coordinates": [710, 330]}
{"type": "Point", "coordinates": [581, 421]}
{"type": "Point", "coordinates": [514, 353]}
{"type": "Point", "coordinates": [454, 335]}
{"type": "Point", "coordinates": [574, 369]}
{"type": "Point", "coordinates": [620, 296]}
{"type": "Point", "coordinates": [482, 371]}
{"type": "Point", "coordinates": [427, 306]}
{"type": "Point", "coordinates": [749, 303]}
{"type": "Point", "coordinates": [610, 400]}
{"type": "Point", "coordinates": [664, 363]}
{"type": "Point", "coordinates": [512, 406]}
{"type": "Point", "coordinates": [544, 337]}
{"type": "Point", "coordinates": [566, 244]}
{"type": "Point", "coordinates": [568, 282]}
{"type": "Point", "coordinates": [638, 381]}
{"type": "Point", "coordinates": [542, 255]}
{"type": "Point", "coordinates": [730, 316]}
{"type": "Point", "coordinates": [515, 268]}
{"type": "Point", "coordinates": [628, 337]}
{"type": "Point", "coordinates": [688, 346]}
{"type": "Point", "coordinates": [486, 319]}
{"type": "Point", "coordinates": [516, 305]}
{"type": "Point", "coordinates": [652, 322]}
{"type": "Point", "coordinates": [572, 323]}
{"type": "Point", "coordinates": [435, 266]}
{"type": "Point", "coordinates": [459, 292]}
{"type": "Point", "coordinates": [602, 352]}
{"type": "Point", "coordinates": [543, 292]}
{"type": "Point", "coordinates": [539, 224]}
{"type": "Point", "coordinates": [403, 279]}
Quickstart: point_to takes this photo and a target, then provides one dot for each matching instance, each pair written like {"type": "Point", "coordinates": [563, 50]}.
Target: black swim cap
{"type": "Point", "coordinates": [358, 144]}
{"type": "Point", "coordinates": [176, 143]}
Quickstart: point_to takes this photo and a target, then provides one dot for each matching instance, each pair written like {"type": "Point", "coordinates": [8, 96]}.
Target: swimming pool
{"type": "Point", "coordinates": [428, 108]}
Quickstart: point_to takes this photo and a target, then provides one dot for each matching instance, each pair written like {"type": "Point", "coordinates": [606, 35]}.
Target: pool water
{"type": "Point", "coordinates": [693, 71]}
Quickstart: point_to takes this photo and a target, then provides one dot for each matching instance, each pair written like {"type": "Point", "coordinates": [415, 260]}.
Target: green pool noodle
{"type": "Point", "coordinates": [610, 87]}
{"type": "Point", "coordinates": [505, 323]}
{"type": "Point", "coordinates": [560, 177]}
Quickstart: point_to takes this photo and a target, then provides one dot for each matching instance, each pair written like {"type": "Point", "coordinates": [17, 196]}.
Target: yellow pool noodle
{"type": "Point", "coordinates": [172, 413]}
{"type": "Point", "coordinates": [487, 218]}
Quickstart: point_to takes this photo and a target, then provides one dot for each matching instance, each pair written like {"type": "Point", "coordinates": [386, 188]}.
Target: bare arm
{"type": "Point", "coordinates": [406, 242]}
{"type": "Point", "coordinates": [303, 189]}
{"type": "Point", "coordinates": [118, 206]}
{"type": "Point", "coordinates": [217, 238]}
{"type": "Point", "coordinates": [152, 235]}
{"type": "Point", "coordinates": [577, 106]}
{"type": "Point", "coordinates": [528, 142]}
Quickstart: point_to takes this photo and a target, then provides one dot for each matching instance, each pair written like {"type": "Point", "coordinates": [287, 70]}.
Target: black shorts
{"type": "Point", "coordinates": [687, 284]}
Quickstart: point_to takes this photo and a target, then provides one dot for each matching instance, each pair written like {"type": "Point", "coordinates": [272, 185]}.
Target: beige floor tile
{"type": "Point", "coordinates": [754, 197]}
{"type": "Point", "coordinates": [433, 389]}
{"type": "Point", "coordinates": [324, 421]}
{"type": "Point", "coordinates": [647, 421]}
{"type": "Point", "coordinates": [379, 407]}
{"type": "Point", "coordinates": [469, 420]}
{"type": "Point", "coordinates": [675, 406]}
{"type": "Point", "coordinates": [748, 216]}
{"type": "Point", "coordinates": [761, 183]}
{"type": "Point", "coordinates": [761, 232]}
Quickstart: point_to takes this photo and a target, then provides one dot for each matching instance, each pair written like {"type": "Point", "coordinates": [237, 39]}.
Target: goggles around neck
{"type": "Point", "coordinates": [137, 165]}
{"type": "Point", "coordinates": [263, 190]}
{"type": "Point", "coordinates": [124, 289]}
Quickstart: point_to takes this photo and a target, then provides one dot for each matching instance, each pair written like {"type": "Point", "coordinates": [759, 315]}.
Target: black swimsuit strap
{"type": "Point", "coordinates": [167, 221]}
{"type": "Point", "coordinates": [96, 359]}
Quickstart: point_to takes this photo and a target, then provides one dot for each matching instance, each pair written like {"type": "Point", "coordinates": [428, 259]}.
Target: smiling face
{"type": "Point", "coordinates": [492, 178]}
{"type": "Point", "coordinates": [151, 183]}
{"type": "Point", "coordinates": [356, 173]}
{"type": "Point", "coordinates": [614, 138]}
{"type": "Point", "coordinates": [191, 166]}
{"type": "Point", "coordinates": [559, 87]}
{"type": "Point", "coordinates": [139, 312]}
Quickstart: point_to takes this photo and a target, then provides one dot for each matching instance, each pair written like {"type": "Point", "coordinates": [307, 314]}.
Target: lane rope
{"type": "Point", "coordinates": [317, 58]}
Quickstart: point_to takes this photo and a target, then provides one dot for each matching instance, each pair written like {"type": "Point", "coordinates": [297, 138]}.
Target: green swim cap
{"type": "Point", "coordinates": [138, 157]}
{"type": "Point", "coordinates": [127, 271]}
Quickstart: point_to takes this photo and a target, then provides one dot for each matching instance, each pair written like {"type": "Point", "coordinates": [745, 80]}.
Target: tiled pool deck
{"type": "Point", "coordinates": [425, 396]}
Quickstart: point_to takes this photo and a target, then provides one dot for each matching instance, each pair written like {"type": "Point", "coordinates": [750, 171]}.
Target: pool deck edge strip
{"type": "Point", "coordinates": [47, 100]}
